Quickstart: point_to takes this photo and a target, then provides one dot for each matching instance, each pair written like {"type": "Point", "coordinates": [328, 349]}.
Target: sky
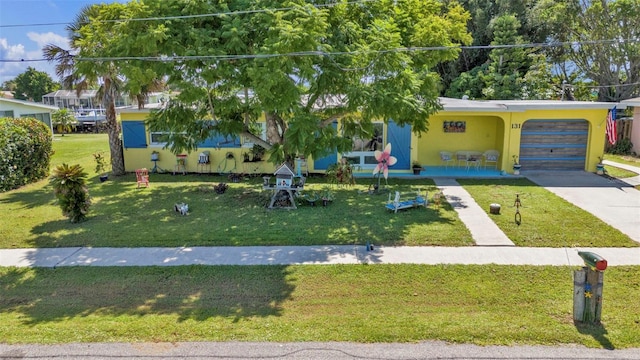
{"type": "Point", "coordinates": [26, 42]}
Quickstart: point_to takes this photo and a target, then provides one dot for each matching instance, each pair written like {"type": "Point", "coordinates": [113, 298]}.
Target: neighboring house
{"type": "Point", "coordinates": [558, 135]}
{"type": "Point", "coordinates": [20, 108]}
{"type": "Point", "coordinates": [635, 125]}
{"type": "Point", "coordinates": [69, 99]}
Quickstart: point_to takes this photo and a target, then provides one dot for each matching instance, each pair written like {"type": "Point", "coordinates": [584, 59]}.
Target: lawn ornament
{"type": "Point", "coordinates": [182, 208]}
{"type": "Point", "coordinates": [385, 160]}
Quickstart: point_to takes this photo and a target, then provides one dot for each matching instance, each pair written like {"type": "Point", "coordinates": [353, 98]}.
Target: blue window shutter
{"type": "Point", "coordinates": [324, 162]}
{"type": "Point", "coordinates": [400, 139]}
{"type": "Point", "coordinates": [134, 135]}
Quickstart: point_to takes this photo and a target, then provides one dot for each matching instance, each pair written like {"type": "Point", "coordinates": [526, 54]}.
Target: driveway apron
{"type": "Point", "coordinates": [613, 201]}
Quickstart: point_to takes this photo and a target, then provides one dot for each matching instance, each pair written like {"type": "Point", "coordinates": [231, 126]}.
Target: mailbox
{"type": "Point", "coordinates": [593, 260]}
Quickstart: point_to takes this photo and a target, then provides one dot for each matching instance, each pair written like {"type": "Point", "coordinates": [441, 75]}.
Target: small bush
{"type": "Point", "coordinates": [220, 188]}
{"type": "Point", "coordinates": [622, 147]}
{"type": "Point", "coordinates": [69, 187]}
{"type": "Point", "coordinates": [25, 152]}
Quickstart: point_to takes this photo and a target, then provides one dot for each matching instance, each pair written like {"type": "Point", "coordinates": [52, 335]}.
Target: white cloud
{"type": "Point", "coordinates": [11, 52]}
{"type": "Point", "coordinates": [43, 39]}
{"type": "Point", "coordinates": [9, 70]}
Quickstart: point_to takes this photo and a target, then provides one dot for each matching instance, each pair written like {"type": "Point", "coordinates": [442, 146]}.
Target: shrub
{"type": "Point", "coordinates": [622, 147]}
{"type": "Point", "coordinates": [69, 187]}
{"type": "Point", "coordinates": [25, 152]}
{"type": "Point", "coordinates": [220, 188]}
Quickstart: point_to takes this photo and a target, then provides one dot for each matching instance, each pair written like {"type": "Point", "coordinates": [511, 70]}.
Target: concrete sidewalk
{"type": "Point", "coordinates": [633, 181]}
{"type": "Point", "coordinates": [309, 255]}
{"type": "Point", "coordinates": [615, 202]}
{"type": "Point", "coordinates": [483, 230]}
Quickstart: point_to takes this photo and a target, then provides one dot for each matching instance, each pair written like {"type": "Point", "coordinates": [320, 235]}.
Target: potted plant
{"type": "Point", "coordinates": [311, 197]}
{"type": "Point", "coordinates": [101, 165]}
{"type": "Point", "coordinates": [417, 168]}
{"type": "Point", "coordinates": [600, 167]}
{"type": "Point", "coordinates": [327, 196]}
{"type": "Point", "coordinates": [516, 165]}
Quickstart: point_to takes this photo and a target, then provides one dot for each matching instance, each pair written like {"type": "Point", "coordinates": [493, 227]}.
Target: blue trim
{"type": "Point", "coordinates": [533, 146]}
{"type": "Point", "coordinates": [324, 162]}
{"type": "Point", "coordinates": [220, 141]}
{"type": "Point", "coordinates": [134, 135]}
{"type": "Point", "coordinates": [400, 139]}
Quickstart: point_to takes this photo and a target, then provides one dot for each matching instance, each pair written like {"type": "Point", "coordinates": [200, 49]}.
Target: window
{"type": "Point", "coordinates": [44, 117]}
{"type": "Point", "coordinates": [6, 113]}
{"type": "Point", "coordinates": [363, 150]}
{"type": "Point", "coordinates": [158, 138]}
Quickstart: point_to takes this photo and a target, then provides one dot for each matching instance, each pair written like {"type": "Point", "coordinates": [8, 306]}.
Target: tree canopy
{"type": "Point", "coordinates": [32, 85]}
{"type": "Point", "coordinates": [607, 36]}
{"type": "Point", "coordinates": [301, 64]}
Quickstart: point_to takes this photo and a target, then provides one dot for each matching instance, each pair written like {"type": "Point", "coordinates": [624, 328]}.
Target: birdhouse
{"type": "Point", "coordinates": [284, 176]}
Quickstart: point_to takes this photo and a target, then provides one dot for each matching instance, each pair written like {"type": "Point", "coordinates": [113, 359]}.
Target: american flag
{"type": "Point", "coordinates": [612, 131]}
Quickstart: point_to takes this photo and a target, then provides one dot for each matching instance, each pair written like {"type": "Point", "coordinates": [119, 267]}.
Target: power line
{"type": "Point", "coordinates": [165, 58]}
{"type": "Point", "coordinates": [195, 16]}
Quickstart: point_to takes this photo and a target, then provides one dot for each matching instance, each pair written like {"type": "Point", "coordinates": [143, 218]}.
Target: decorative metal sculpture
{"type": "Point", "coordinates": [385, 160]}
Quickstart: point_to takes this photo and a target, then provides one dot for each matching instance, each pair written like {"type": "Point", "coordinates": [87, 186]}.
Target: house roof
{"type": "Point", "coordinates": [450, 104]}
{"type": "Point", "coordinates": [284, 169]}
{"type": "Point", "coordinates": [72, 94]}
{"type": "Point", "coordinates": [631, 102]}
{"type": "Point", "coordinates": [28, 103]}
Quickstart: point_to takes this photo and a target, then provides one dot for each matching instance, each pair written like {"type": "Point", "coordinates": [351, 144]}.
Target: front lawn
{"type": "Point", "coordinates": [547, 219]}
{"type": "Point", "coordinates": [124, 216]}
{"type": "Point", "coordinates": [486, 305]}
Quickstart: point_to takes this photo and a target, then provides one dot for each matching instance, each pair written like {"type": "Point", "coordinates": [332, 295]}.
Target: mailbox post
{"type": "Point", "coordinates": [587, 288]}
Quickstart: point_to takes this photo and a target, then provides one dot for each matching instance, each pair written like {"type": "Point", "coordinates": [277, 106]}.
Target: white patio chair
{"type": "Point", "coordinates": [461, 157]}
{"type": "Point", "coordinates": [446, 157]}
{"type": "Point", "coordinates": [491, 156]}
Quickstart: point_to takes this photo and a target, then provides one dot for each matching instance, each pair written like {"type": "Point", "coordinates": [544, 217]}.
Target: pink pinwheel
{"type": "Point", "coordinates": [384, 161]}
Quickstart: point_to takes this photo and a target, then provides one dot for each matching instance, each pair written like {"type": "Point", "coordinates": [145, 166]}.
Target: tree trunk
{"type": "Point", "coordinates": [113, 129]}
{"type": "Point", "coordinates": [273, 131]}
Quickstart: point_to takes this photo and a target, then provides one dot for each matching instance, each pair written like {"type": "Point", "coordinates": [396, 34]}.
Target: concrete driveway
{"type": "Point", "coordinates": [613, 201]}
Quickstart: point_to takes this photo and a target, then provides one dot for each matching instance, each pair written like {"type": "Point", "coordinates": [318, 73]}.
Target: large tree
{"type": "Point", "coordinates": [483, 14]}
{"type": "Point", "coordinates": [605, 37]}
{"type": "Point", "coordinates": [32, 85]}
{"type": "Point", "coordinates": [301, 64]}
{"type": "Point", "coordinates": [93, 38]}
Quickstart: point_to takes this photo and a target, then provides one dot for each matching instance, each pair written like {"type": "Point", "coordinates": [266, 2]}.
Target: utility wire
{"type": "Point", "coordinates": [165, 58]}
{"type": "Point", "coordinates": [195, 16]}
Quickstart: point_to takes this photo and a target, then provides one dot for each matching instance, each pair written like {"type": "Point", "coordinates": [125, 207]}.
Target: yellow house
{"type": "Point", "coordinates": [553, 135]}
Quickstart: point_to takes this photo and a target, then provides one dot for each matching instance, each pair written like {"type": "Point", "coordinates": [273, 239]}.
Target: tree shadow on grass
{"type": "Point", "coordinates": [597, 331]}
{"type": "Point", "coordinates": [189, 292]}
{"type": "Point", "coordinates": [124, 216]}
{"type": "Point", "coordinates": [29, 199]}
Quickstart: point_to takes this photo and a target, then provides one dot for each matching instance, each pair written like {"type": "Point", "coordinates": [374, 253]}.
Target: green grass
{"type": "Point", "coordinates": [547, 219]}
{"type": "Point", "coordinates": [78, 149]}
{"type": "Point", "coordinates": [624, 159]}
{"type": "Point", "coordinates": [123, 215]}
{"type": "Point", "coordinates": [486, 305]}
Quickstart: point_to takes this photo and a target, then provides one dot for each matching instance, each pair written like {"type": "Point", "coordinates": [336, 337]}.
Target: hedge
{"type": "Point", "coordinates": [25, 152]}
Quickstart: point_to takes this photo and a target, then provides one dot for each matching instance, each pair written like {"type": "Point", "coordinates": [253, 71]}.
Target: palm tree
{"type": "Point", "coordinates": [63, 119]}
{"type": "Point", "coordinates": [80, 75]}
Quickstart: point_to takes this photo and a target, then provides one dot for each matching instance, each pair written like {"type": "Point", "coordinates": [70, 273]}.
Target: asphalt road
{"type": "Point", "coordinates": [306, 351]}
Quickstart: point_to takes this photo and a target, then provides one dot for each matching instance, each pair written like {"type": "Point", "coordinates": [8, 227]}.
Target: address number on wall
{"type": "Point", "coordinates": [515, 126]}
